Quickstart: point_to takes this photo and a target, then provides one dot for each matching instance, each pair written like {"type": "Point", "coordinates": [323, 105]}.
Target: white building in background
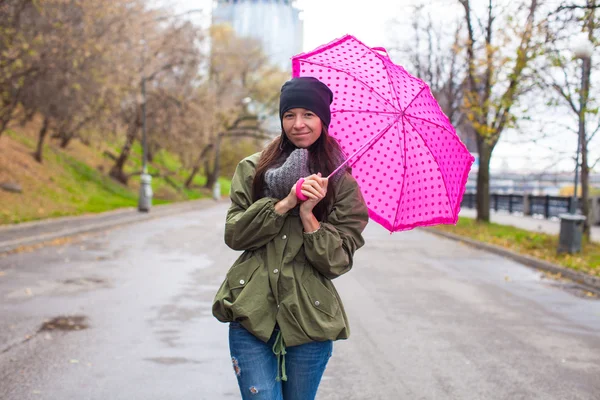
{"type": "Point", "coordinates": [275, 23]}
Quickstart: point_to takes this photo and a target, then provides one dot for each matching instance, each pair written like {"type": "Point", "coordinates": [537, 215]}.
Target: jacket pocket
{"type": "Point", "coordinates": [240, 275]}
{"type": "Point", "coordinates": [321, 298]}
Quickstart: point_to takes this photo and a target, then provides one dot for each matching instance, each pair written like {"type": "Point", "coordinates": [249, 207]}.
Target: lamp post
{"type": "Point", "coordinates": [571, 225]}
{"type": "Point", "coordinates": [145, 195]}
{"type": "Point", "coordinates": [582, 48]}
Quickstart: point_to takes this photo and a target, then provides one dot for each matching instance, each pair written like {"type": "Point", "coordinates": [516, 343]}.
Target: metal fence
{"type": "Point", "coordinates": [546, 206]}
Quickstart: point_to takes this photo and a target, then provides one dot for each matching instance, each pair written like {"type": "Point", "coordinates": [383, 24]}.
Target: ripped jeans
{"type": "Point", "coordinates": [256, 366]}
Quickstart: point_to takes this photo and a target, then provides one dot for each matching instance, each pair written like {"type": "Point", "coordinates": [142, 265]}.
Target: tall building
{"type": "Point", "coordinates": [275, 23]}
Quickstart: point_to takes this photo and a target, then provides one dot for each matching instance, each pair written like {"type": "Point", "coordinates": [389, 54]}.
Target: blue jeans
{"type": "Point", "coordinates": [255, 366]}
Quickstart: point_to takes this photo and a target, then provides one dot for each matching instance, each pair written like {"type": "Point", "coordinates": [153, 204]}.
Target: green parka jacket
{"type": "Point", "coordinates": [284, 275]}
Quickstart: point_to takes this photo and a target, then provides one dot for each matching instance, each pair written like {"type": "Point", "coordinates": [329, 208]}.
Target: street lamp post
{"type": "Point", "coordinates": [582, 49]}
{"type": "Point", "coordinates": [571, 225]}
{"type": "Point", "coordinates": [145, 196]}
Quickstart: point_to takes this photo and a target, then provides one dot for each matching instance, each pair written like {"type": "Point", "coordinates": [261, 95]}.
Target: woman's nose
{"type": "Point", "coordinates": [299, 122]}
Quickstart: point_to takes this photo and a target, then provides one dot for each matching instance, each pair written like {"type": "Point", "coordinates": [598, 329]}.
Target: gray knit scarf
{"type": "Point", "coordinates": [279, 180]}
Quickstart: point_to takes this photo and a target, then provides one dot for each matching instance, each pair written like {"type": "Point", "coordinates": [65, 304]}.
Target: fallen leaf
{"type": "Point", "coordinates": [2, 273]}
{"type": "Point", "coordinates": [74, 361]}
{"type": "Point", "coordinates": [507, 278]}
{"type": "Point", "coordinates": [28, 292]}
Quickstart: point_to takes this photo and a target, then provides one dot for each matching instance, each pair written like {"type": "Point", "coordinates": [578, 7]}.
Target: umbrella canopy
{"type": "Point", "coordinates": [408, 160]}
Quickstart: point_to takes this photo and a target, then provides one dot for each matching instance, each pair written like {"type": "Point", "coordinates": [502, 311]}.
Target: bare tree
{"type": "Point", "coordinates": [19, 43]}
{"type": "Point", "coordinates": [570, 83]}
{"type": "Point", "coordinates": [238, 70]}
{"type": "Point", "coordinates": [434, 55]}
{"type": "Point", "coordinates": [164, 50]}
{"type": "Point", "coordinates": [496, 79]}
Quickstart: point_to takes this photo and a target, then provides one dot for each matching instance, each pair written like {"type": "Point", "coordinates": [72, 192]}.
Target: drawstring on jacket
{"type": "Point", "coordinates": [279, 350]}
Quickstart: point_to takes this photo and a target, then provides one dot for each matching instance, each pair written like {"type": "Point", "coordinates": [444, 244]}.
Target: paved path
{"type": "Point", "coordinates": [528, 223]}
{"type": "Point", "coordinates": [28, 233]}
{"type": "Point", "coordinates": [430, 319]}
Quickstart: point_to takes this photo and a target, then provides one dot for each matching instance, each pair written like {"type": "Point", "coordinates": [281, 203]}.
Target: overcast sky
{"type": "Point", "coordinates": [371, 22]}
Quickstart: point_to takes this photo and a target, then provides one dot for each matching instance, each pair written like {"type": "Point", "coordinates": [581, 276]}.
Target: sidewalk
{"type": "Point", "coordinates": [30, 233]}
{"type": "Point", "coordinates": [528, 223]}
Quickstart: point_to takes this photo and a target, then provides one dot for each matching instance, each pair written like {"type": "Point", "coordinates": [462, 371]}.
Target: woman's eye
{"type": "Point", "coordinates": [309, 115]}
{"type": "Point", "coordinates": [288, 116]}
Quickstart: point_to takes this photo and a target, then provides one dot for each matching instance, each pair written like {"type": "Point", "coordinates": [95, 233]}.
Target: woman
{"type": "Point", "coordinates": [283, 310]}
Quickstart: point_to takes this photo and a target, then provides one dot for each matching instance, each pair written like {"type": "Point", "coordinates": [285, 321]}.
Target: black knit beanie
{"type": "Point", "coordinates": [306, 92]}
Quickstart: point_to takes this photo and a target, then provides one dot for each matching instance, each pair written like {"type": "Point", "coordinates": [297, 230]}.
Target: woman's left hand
{"type": "Point", "coordinates": [315, 188]}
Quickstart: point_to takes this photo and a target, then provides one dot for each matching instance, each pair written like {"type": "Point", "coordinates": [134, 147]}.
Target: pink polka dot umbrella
{"type": "Point", "coordinates": [408, 160]}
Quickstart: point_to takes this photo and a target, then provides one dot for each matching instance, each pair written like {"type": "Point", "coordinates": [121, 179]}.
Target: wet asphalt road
{"type": "Point", "coordinates": [430, 319]}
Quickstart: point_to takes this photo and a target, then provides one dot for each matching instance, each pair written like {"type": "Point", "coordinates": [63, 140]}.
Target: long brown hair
{"type": "Point", "coordinates": [325, 155]}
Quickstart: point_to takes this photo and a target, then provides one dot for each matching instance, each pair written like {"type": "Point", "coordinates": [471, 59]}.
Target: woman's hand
{"type": "Point", "coordinates": [315, 188]}
{"type": "Point", "coordinates": [289, 202]}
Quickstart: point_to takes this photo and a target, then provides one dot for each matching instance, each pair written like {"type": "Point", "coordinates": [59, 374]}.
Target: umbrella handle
{"type": "Point", "coordinates": [299, 194]}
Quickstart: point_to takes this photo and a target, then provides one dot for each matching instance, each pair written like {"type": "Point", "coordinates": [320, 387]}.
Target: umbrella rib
{"type": "Point", "coordinates": [429, 122]}
{"type": "Point", "coordinates": [346, 72]}
{"type": "Point", "coordinates": [443, 179]}
{"type": "Point", "coordinates": [371, 141]}
{"type": "Point", "coordinates": [454, 134]}
{"type": "Point", "coordinates": [394, 88]}
{"type": "Point", "coordinates": [417, 95]}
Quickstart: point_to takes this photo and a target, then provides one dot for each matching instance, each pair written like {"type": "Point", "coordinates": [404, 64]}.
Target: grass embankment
{"type": "Point", "coordinates": [75, 180]}
{"type": "Point", "coordinates": [539, 245]}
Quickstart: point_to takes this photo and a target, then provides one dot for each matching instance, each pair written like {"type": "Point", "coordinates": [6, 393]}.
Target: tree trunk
{"type": "Point", "coordinates": [188, 181]}
{"type": "Point", "coordinates": [213, 175]}
{"type": "Point", "coordinates": [40, 144]}
{"type": "Point", "coordinates": [117, 170]}
{"type": "Point", "coordinates": [6, 112]}
{"type": "Point", "coordinates": [27, 117]}
{"type": "Point", "coordinates": [3, 125]}
{"type": "Point", "coordinates": [585, 191]}
{"type": "Point", "coordinates": [207, 171]}
{"type": "Point", "coordinates": [70, 132]}
{"type": "Point", "coordinates": [4, 120]}
{"type": "Point", "coordinates": [197, 164]}
{"type": "Point", "coordinates": [65, 140]}
{"type": "Point", "coordinates": [483, 180]}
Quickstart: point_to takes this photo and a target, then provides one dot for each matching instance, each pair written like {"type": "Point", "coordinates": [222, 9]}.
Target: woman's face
{"type": "Point", "coordinates": [302, 127]}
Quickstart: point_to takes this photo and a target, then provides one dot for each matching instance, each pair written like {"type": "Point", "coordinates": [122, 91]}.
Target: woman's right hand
{"type": "Point", "coordinates": [289, 202]}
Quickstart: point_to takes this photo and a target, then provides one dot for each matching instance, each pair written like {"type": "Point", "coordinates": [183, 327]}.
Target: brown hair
{"type": "Point", "coordinates": [325, 155]}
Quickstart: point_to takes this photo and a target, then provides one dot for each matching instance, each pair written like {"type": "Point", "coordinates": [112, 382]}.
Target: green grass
{"type": "Point", "coordinates": [534, 244]}
{"type": "Point", "coordinates": [65, 185]}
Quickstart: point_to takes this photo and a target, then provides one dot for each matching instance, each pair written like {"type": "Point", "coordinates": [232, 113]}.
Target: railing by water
{"type": "Point", "coordinates": [546, 206]}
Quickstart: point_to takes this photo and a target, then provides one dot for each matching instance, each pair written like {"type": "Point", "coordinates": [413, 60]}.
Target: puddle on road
{"type": "Point", "coordinates": [65, 323]}
{"type": "Point", "coordinates": [85, 281]}
{"type": "Point", "coordinates": [173, 360]}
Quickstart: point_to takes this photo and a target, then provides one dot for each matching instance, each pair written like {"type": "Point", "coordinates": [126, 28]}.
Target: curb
{"type": "Point", "coordinates": [588, 282]}
{"type": "Point", "coordinates": [96, 224]}
{"type": "Point", "coordinates": [84, 217]}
